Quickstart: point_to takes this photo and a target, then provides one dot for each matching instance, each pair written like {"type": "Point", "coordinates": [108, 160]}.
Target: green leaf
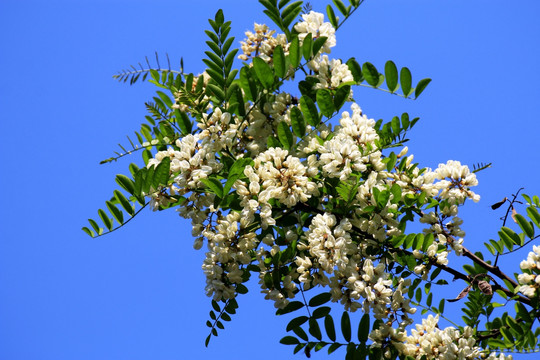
{"type": "Point", "coordinates": [314, 329]}
{"type": "Point", "coordinates": [334, 347]}
{"type": "Point", "coordinates": [106, 220]}
{"type": "Point", "coordinates": [292, 306]}
{"type": "Point", "coordinates": [88, 231]}
{"type": "Point", "coordinates": [219, 17]}
{"type": "Point", "coordinates": [297, 122]}
{"type": "Point", "coordinates": [391, 75]}
{"type": "Point", "coordinates": [396, 192]}
{"type": "Point", "coordinates": [236, 100]}
{"type": "Point", "coordinates": [320, 299]}
{"type": "Point", "coordinates": [331, 16]}
{"type": "Point", "coordinates": [309, 109]}
{"type": "Point", "coordinates": [356, 70]}
{"type": "Point", "coordinates": [285, 135]}
{"type": "Point", "coordinates": [428, 240]}
{"type": "Point", "coordinates": [512, 234]}
{"type": "Point", "coordinates": [166, 100]}
{"type": "Point", "coordinates": [318, 44]}
{"type": "Point", "coordinates": [236, 172]}
{"type": "Point", "coordinates": [289, 340]}
{"type": "Point", "coordinates": [370, 73]}
{"type": "Point", "coordinates": [183, 121]}
{"type": "Point", "coordinates": [321, 312]}
{"type": "Point", "coordinates": [429, 299]}
{"type": "Point", "coordinates": [289, 14]}
{"type": "Point", "coordinates": [296, 322]}
{"type": "Point", "coordinates": [405, 79]}
{"type": "Point", "coordinates": [279, 62]}
{"type": "Point", "coordinates": [241, 289]}
{"type": "Point", "coordinates": [341, 7]}
{"type": "Point", "coordinates": [264, 72]}
{"type": "Point", "coordinates": [307, 47]}
{"type": "Point", "coordinates": [324, 99]}
{"type": "Point", "coordinates": [441, 306]}
{"type": "Point", "coordinates": [215, 90]}
{"type": "Point", "coordinates": [363, 328]}
{"type": "Point", "coordinates": [214, 185]}
{"type": "Point", "coordinates": [126, 183]}
{"type": "Point", "coordinates": [116, 213]}
{"type": "Point", "coordinates": [506, 239]}
{"type": "Point", "coordinates": [346, 326]}
{"type": "Point", "coordinates": [248, 84]}
{"type": "Point", "coordinates": [330, 328]}
{"type": "Point", "coordinates": [341, 96]}
{"type": "Point", "coordinates": [418, 295]}
{"type": "Point", "coordinates": [294, 52]}
{"type": "Point", "coordinates": [161, 174]}
{"type": "Point", "coordinates": [95, 226]}
{"type": "Point", "coordinates": [422, 84]}
{"type": "Point", "coordinates": [534, 215]}
{"type": "Point", "coordinates": [300, 333]}
{"type": "Point", "coordinates": [526, 226]}
{"type": "Point", "coordinates": [273, 142]}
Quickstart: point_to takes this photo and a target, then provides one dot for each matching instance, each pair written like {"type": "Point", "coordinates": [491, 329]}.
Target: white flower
{"type": "Point", "coordinates": [314, 24]}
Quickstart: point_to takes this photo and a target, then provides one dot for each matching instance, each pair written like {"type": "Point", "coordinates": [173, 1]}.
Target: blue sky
{"type": "Point", "coordinates": [139, 293]}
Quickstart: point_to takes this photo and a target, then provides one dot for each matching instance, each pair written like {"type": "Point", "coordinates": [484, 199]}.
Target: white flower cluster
{"type": "Point", "coordinates": [314, 24]}
{"type": "Point", "coordinates": [262, 43]}
{"type": "Point", "coordinates": [275, 175]}
{"type": "Point", "coordinates": [450, 182]}
{"type": "Point", "coordinates": [427, 339]}
{"type": "Point", "coordinates": [330, 73]}
{"type": "Point", "coordinates": [332, 250]}
{"type": "Point", "coordinates": [352, 148]}
{"type": "Point", "coordinates": [530, 278]}
{"type": "Point", "coordinates": [263, 121]}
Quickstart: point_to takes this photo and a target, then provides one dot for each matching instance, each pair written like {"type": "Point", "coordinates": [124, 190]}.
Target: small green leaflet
{"type": "Point", "coordinates": [116, 213]}
{"type": "Point", "coordinates": [294, 52]}
{"type": "Point", "coordinates": [264, 72]}
{"type": "Point", "coordinates": [285, 135]}
{"type": "Point", "coordinates": [421, 86]}
{"type": "Point", "coordinates": [124, 202]}
{"type": "Point", "coordinates": [161, 173]}
{"type": "Point", "coordinates": [391, 74]}
{"type": "Point", "coordinates": [311, 114]}
{"type": "Point", "coordinates": [341, 96]}
{"type": "Point", "coordinates": [324, 99]}
{"type": "Point", "coordinates": [346, 326]}
{"type": "Point", "coordinates": [370, 74]}
{"type": "Point", "coordinates": [405, 78]}
{"type": "Point", "coordinates": [297, 122]}
{"type": "Point", "coordinates": [106, 220]}
{"type": "Point", "coordinates": [279, 62]}
{"type": "Point", "coordinates": [236, 172]}
{"type": "Point", "coordinates": [307, 47]}
{"type": "Point", "coordinates": [214, 185]}
{"type": "Point", "coordinates": [126, 183]}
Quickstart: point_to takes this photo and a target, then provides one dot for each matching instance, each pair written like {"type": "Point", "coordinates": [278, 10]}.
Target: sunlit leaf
{"type": "Point", "coordinates": [405, 79]}
{"type": "Point", "coordinates": [391, 75]}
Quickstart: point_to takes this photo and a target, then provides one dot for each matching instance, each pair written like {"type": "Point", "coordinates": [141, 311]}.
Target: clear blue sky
{"type": "Point", "coordinates": [139, 293]}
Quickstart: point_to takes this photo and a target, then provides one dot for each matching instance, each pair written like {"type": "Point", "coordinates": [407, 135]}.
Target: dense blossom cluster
{"type": "Point", "coordinates": [530, 278]}
{"type": "Point", "coordinates": [262, 43]}
{"type": "Point", "coordinates": [341, 252]}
